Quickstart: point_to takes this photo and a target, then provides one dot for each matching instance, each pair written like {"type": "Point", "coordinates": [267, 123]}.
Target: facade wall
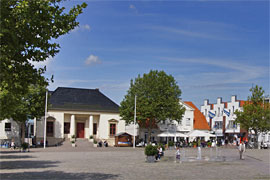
{"type": "Point", "coordinates": [102, 119]}
{"type": "Point", "coordinates": [218, 119]}
{"type": "Point", "coordinates": [9, 135]}
{"type": "Point", "coordinates": [185, 126]}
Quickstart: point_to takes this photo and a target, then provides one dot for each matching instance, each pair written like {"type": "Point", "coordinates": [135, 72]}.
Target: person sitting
{"type": "Point", "coordinates": [100, 144]}
{"type": "Point", "coordinates": [105, 144]}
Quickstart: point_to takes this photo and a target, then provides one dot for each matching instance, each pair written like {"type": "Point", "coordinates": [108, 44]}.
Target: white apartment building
{"type": "Point", "coordinates": [191, 120]}
{"type": "Point", "coordinates": [221, 117]}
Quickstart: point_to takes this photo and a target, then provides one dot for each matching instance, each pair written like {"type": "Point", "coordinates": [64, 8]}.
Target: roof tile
{"type": "Point", "coordinates": [199, 119]}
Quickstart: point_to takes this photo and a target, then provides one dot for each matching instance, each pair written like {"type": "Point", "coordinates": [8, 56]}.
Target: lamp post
{"type": "Point", "coordinates": [45, 120]}
{"type": "Point", "coordinates": [134, 123]}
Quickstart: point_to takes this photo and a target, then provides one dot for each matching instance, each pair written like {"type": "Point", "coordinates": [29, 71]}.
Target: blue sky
{"type": "Point", "coordinates": [212, 48]}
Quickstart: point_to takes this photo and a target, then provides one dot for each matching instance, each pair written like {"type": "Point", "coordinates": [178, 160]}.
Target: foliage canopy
{"type": "Point", "coordinates": [27, 34]}
{"type": "Point", "coordinates": [157, 100]}
{"type": "Point", "coordinates": [256, 113]}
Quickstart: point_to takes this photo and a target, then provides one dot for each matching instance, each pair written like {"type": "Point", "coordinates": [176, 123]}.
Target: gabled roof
{"type": "Point", "coordinates": [76, 99]}
{"type": "Point", "coordinates": [241, 103]}
{"type": "Point", "coordinates": [200, 122]}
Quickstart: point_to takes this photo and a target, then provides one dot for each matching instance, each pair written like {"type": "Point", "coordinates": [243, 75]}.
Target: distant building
{"type": "Point", "coordinates": [9, 130]}
{"type": "Point", "coordinates": [221, 118]}
{"type": "Point", "coordinates": [192, 119]}
{"type": "Point", "coordinates": [80, 112]}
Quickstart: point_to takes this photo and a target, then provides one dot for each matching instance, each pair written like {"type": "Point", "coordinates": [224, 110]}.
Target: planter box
{"type": "Point", "coordinates": [91, 140]}
{"type": "Point", "coordinates": [73, 145]}
{"type": "Point", "coordinates": [150, 159]}
{"type": "Point", "coordinates": [95, 145]}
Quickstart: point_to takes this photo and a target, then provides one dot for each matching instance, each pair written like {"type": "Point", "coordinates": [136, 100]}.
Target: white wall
{"type": "Point", "coordinates": [9, 135]}
{"type": "Point", "coordinates": [218, 108]}
{"type": "Point", "coordinates": [58, 119]}
{"type": "Point", "coordinates": [104, 125]}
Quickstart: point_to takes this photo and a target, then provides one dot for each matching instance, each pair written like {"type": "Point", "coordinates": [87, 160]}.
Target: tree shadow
{"type": "Point", "coordinates": [57, 175]}
{"type": "Point", "coordinates": [15, 157]}
{"type": "Point", "coordinates": [13, 152]}
{"type": "Point", "coordinates": [27, 164]}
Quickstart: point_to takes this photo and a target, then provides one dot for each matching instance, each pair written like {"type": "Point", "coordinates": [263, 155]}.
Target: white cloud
{"type": "Point", "coordinates": [92, 60]}
{"type": "Point", "coordinates": [231, 74]}
{"type": "Point", "coordinates": [85, 27]}
{"type": "Point", "coordinates": [41, 64]}
{"type": "Point", "coordinates": [132, 6]}
{"type": "Point", "coordinates": [189, 33]}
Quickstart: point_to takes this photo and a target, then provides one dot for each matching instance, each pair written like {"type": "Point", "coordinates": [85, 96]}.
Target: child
{"type": "Point", "coordinates": [177, 155]}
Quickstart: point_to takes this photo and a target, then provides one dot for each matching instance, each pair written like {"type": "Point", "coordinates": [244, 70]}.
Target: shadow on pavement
{"type": "Point", "coordinates": [15, 157]}
{"type": "Point", "coordinates": [57, 175]}
{"type": "Point", "coordinates": [26, 164]}
{"type": "Point", "coordinates": [12, 152]}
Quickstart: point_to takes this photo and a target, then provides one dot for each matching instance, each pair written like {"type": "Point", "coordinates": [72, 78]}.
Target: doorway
{"type": "Point", "coordinates": [80, 130]}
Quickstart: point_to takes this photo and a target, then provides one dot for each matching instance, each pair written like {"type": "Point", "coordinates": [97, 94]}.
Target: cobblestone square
{"type": "Point", "coordinates": [129, 163]}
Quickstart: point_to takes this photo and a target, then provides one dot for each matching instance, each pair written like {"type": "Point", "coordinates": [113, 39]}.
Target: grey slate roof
{"type": "Point", "coordinates": [76, 99]}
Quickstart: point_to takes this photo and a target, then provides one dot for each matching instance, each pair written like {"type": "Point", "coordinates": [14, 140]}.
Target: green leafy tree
{"type": "Point", "coordinates": [256, 113]}
{"type": "Point", "coordinates": [28, 32]}
{"type": "Point", "coordinates": [157, 100]}
{"type": "Point", "coordinates": [31, 106]}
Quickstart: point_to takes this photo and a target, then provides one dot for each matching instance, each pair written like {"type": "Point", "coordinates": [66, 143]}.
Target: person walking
{"type": "Point", "coordinates": [242, 149]}
{"type": "Point", "coordinates": [177, 160]}
{"type": "Point", "coordinates": [13, 144]}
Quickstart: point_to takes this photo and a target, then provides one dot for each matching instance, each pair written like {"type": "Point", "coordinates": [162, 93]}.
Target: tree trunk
{"type": "Point", "coordinates": [22, 124]}
{"type": "Point", "coordinates": [149, 135]}
{"type": "Point", "coordinates": [256, 142]}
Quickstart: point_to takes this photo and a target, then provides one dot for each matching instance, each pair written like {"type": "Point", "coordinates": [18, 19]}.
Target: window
{"type": "Point", "coordinates": [205, 114]}
{"type": "Point", "coordinates": [218, 112]}
{"type": "Point", "coordinates": [233, 109]}
{"type": "Point", "coordinates": [231, 125]}
{"type": "Point", "coordinates": [66, 128]}
{"type": "Point", "coordinates": [32, 130]}
{"type": "Point", "coordinates": [218, 124]}
{"type": "Point", "coordinates": [50, 129]}
{"type": "Point", "coordinates": [112, 129]}
{"type": "Point", "coordinates": [7, 126]}
{"type": "Point", "coordinates": [188, 122]}
{"type": "Point", "coordinates": [94, 128]}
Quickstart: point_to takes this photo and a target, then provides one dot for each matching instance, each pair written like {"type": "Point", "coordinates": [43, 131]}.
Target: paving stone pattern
{"type": "Point", "coordinates": [86, 162]}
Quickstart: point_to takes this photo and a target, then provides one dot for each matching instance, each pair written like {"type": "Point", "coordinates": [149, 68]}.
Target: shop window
{"type": "Point", "coordinates": [7, 126]}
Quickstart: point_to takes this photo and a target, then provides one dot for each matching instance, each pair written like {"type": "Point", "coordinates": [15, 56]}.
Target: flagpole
{"type": "Point", "coordinates": [45, 120]}
{"type": "Point", "coordinates": [134, 123]}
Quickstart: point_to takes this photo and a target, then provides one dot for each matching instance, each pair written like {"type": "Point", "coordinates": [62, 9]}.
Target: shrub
{"type": "Point", "coordinates": [170, 143]}
{"type": "Point", "coordinates": [150, 150]}
{"type": "Point", "coordinates": [95, 141]}
{"type": "Point", "coordinates": [209, 143]}
{"type": "Point", "coordinates": [73, 136]}
{"type": "Point", "coordinates": [72, 141]}
{"type": "Point", "coordinates": [24, 145]}
{"type": "Point", "coordinates": [91, 137]}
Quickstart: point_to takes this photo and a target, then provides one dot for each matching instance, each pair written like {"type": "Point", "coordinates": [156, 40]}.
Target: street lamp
{"type": "Point", "coordinates": [45, 119]}
{"type": "Point", "coordinates": [134, 123]}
